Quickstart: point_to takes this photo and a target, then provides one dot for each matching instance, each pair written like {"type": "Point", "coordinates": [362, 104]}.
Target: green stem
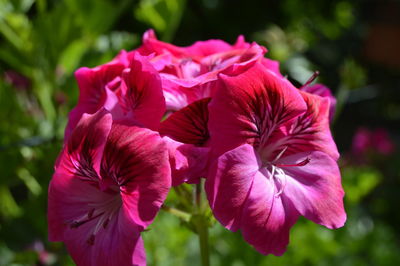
{"type": "Point", "coordinates": [184, 197]}
{"type": "Point", "coordinates": [178, 213]}
{"type": "Point", "coordinates": [202, 231]}
{"type": "Point", "coordinates": [201, 226]}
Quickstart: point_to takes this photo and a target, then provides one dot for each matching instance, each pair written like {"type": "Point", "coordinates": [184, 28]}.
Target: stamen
{"type": "Point", "coordinates": [302, 163]}
{"type": "Point", "coordinates": [278, 175]}
{"type": "Point", "coordinates": [273, 170]}
{"type": "Point", "coordinates": [311, 79]}
{"type": "Point", "coordinates": [84, 219]}
{"type": "Point", "coordinates": [280, 154]}
{"type": "Point", "coordinates": [282, 183]}
{"type": "Point", "coordinates": [103, 212]}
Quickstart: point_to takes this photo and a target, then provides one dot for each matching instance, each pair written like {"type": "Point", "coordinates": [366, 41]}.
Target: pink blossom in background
{"type": "Point", "coordinates": [382, 142]}
{"type": "Point", "coordinates": [361, 141]}
{"type": "Point", "coordinates": [17, 80]}
{"type": "Point", "coordinates": [275, 159]}
{"type": "Point", "coordinates": [378, 140]}
{"type": "Point", "coordinates": [44, 257]}
{"type": "Point", "coordinates": [109, 184]}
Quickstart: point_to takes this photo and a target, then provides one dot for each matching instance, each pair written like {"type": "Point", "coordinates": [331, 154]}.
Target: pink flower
{"type": "Point", "coordinates": [382, 142]}
{"type": "Point", "coordinates": [17, 80]}
{"type": "Point", "coordinates": [44, 257]}
{"type": "Point", "coordinates": [189, 73]}
{"type": "Point", "coordinates": [361, 141]}
{"type": "Point", "coordinates": [129, 87]}
{"type": "Point", "coordinates": [109, 184]}
{"type": "Point", "coordinates": [377, 140]}
{"type": "Point", "coordinates": [275, 159]}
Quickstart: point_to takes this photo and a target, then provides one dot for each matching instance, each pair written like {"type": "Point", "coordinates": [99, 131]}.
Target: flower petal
{"type": "Point", "coordinates": [152, 45]}
{"type": "Point", "coordinates": [68, 198]}
{"type": "Point", "coordinates": [248, 107]}
{"type": "Point", "coordinates": [308, 132]}
{"type": "Point", "coordinates": [188, 162]}
{"type": "Point", "coordinates": [92, 93]}
{"type": "Point", "coordinates": [141, 93]}
{"type": "Point", "coordinates": [323, 91]}
{"type": "Point", "coordinates": [117, 243]}
{"type": "Point", "coordinates": [228, 184]}
{"type": "Point", "coordinates": [71, 198]}
{"type": "Point", "coordinates": [315, 189]}
{"type": "Point", "coordinates": [84, 149]}
{"type": "Point", "coordinates": [273, 66]}
{"type": "Point", "coordinates": [188, 125]}
{"type": "Point", "coordinates": [137, 160]}
{"type": "Point", "coordinates": [266, 218]}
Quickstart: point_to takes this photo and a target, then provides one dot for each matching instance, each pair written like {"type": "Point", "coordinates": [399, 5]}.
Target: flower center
{"type": "Point", "coordinates": [278, 174]}
{"type": "Point", "coordinates": [103, 212]}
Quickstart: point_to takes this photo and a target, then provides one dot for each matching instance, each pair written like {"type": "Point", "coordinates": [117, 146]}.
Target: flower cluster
{"type": "Point", "coordinates": [263, 146]}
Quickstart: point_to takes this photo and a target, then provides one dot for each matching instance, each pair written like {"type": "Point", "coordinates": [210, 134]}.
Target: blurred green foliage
{"type": "Point", "coordinates": [42, 43]}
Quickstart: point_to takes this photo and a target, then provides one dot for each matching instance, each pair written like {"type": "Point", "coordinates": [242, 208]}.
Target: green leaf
{"type": "Point", "coordinates": [8, 207]}
{"type": "Point", "coordinates": [163, 15]}
{"type": "Point", "coordinates": [29, 181]}
{"type": "Point", "coordinates": [72, 55]}
{"type": "Point", "coordinates": [359, 182]}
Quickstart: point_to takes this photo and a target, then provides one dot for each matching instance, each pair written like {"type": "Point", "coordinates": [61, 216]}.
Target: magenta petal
{"type": "Point", "coordinates": [86, 144]}
{"type": "Point", "coordinates": [228, 184]}
{"type": "Point", "coordinates": [243, 59]}
{"type": "Point", "coordinates": [273, 66]}
{"type": "Point", "coordinates": [266, 218]}
{"type": "Point", "coordinates": [315, 189]}
{"type": "Point", "coordinates": [311, 131]}
{"type": "Point", "coordinates": [151, 45]}
{"type": "Point", "coordinates": [66, 202]}
{"type": "Point", "coordinates": [242, 197]}
{"type": "Point", "coordinates": [248, 107]}
{"type": "Point", "coordinates": [323, 91]}
{"type": "Point", "coordinates": [136, 159]}
{"type": "Point", "coordinates": [188, 162]}
{"type": "Point", "coordinates": [205, 48]}
{"type": "Point", "coordinates": [91, 82]}
{"type": "Point", "coordinates": [118, 243]}
{"type": "Point", "coordinates": [100, 219]}
{"type": "Point", "coordinates": [174, 99]}
{"type": "Point", "coordinates": [72, 199]}
{"type": "Point", "coordinates": [139, 254]}
{"type": "Point", "coordinates": [92, 94]}
{"type": "Point", "coordinates": [188, 125]}
{"type": "Point", "coordinates": [141, 93]}
{"type": "Point", "coordinates": [241, 43]}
